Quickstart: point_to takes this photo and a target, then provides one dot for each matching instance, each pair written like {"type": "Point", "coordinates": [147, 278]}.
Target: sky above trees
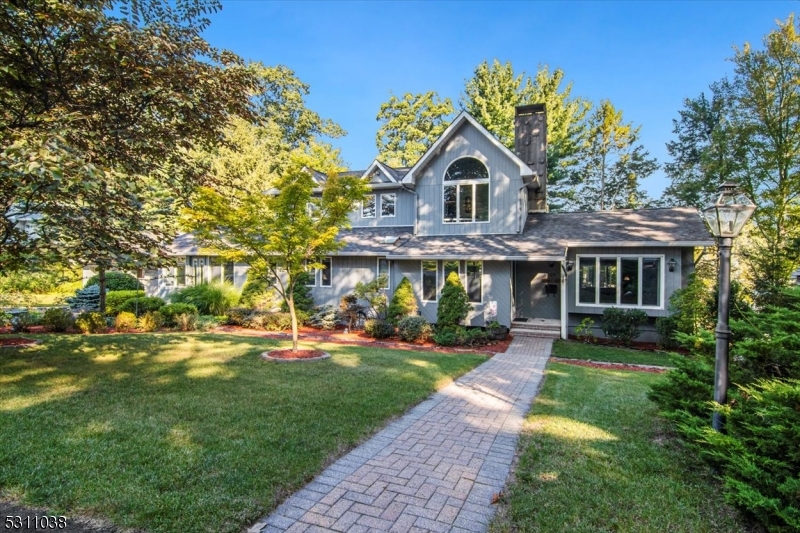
{"type": "Point", "coordinates": [645, 57]}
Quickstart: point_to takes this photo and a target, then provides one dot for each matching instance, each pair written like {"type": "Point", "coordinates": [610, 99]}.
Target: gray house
{"type": "Point", "coordinates": [472, 206]}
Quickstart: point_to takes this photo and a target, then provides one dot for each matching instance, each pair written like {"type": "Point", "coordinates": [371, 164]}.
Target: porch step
{"type": "Point", "coordinates": [549, 330]}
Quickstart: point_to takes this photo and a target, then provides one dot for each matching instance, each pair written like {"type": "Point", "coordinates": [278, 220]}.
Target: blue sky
{"type": "Point", "coordinates": [645, 57]}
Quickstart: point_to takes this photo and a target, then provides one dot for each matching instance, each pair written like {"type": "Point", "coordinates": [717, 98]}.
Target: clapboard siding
{"type": "Point", "coordinates": [504, 185]}
{"type": "Point", "coordinates": [672, 280]}
{"type": "Point", "coordinates": [404, 210]}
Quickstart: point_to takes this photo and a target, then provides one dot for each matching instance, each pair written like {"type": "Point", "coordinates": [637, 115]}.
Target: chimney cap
{"type": "Point", "coordinates": [529, 109]}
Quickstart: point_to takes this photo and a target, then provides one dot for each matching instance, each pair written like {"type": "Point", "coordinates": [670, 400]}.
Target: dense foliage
{"type": "Point", "coordinates": [454, 304]}
{"type": "Point", "coordinates": [91, 322]}
{"type": "Point", "coordinates": [378, 329]}
{"type": "Point", "coordinates": [117, 281]}
{"type": "Point", "coordinates": [413, 329]}
{"type": "Point", "coordinates": [140, 306]}
{"type": "Point", "coordinates": [58, 319]}
{"type": "Point", "coordinates": [171, 312]}
{"type": "Point", "coordinates": [209, 298]}
{"type": "Point", "coordinates": [404, 302]}
{"type": "Point", "coordinates": [115, 299]}
{"type": "Point", "coordinates": [622, 325]}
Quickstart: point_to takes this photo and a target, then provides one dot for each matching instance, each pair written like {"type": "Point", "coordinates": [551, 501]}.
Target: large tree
{"type": "Point", "coordinates": [100, 103]}
{"type": "Point", "coordinates": [409, 126]}
{"type": "Point", "coordinates": [280, 235]}
{"type": "Point", "coordinates": [612, 163]}
{"type": "Point", "coordinates": [494, 91]}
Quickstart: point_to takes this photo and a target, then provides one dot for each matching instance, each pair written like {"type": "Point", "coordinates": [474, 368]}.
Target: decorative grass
{"type": "Point", "coordinates": [609, 354]}
{"type": "Point", "coordinates": [191, 432]}
{"type": "Point", "coordinates": [595, 457]}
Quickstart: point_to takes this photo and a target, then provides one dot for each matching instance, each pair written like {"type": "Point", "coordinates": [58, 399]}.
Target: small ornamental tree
{"type": "Point", "coordinates": [373, 294]}
{"type": "Point", "coordinates": [454, 304]}
{"type": "Point", "coordinates": [403, 304]}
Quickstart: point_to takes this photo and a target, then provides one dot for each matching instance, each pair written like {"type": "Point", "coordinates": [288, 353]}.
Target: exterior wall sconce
{"type": "Point", "coordinates": [570, 265]}
{"type": "Point", "coordinates": [672, 264]}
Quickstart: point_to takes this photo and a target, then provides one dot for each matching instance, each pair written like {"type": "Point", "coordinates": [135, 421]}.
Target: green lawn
{"type": "Point", "coordinates": [595, 457]}
{"type": "Point", "coordinates": [191, 432]}
{"type": "Point", "coordinates": [580, 350]}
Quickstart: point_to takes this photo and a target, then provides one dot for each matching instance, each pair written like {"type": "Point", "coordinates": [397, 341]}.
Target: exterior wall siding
{"type": "Point", "coordinates": [347, 271]}
{"type": "Point", "coordinates": [404, 210]}
{"type": "Point", "coordinates": [504, 184]}
{"type": "Point", "coordinates": [672, 280]}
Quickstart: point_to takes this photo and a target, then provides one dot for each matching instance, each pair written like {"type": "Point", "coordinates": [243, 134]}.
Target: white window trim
{"type": "Point", "coordinates": [462, 273]}
{"type": "Point", "coordinates": [618, 257]}
{"type": "Point", "coordinates": [313, 275]}
{"type": "Point", "coordinates": [457, 183]}
{"type": "Point", "coordinates": [330, 274]}
{"type": "Point", "coordinates": [464, 282]}
{"type": "Point", "coordinates": [422, 280]}
{"type": "Point", "coordinates": [375, 204]}
{"type": "Point", "coordinates": [388, 272]}
{"type": "Point", "coordinates": [394, 209]}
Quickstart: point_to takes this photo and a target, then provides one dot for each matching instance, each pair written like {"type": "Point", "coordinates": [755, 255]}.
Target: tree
{"type": "Point", "coordinates": [492, 95]}
{"type": "Point", "coordinates": [100, 102]}
{"type": "Point", "coordinates": [454, 303]}
{"type": "Point", "coordinates": [278, 235]}
{"type": "Point", "coordinates": [403, 303]}
{"type": "Point", "coordinates": [613, 163]}
{"type": "Point", "coordinates": [409, 126]}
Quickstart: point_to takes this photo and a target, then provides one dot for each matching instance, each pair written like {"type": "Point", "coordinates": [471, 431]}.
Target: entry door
{"type": "Point", "coordinates": [538, 290]}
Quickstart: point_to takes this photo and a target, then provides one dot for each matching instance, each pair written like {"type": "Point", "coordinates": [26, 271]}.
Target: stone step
{"type": "Point", "coordinates": [543, 332]}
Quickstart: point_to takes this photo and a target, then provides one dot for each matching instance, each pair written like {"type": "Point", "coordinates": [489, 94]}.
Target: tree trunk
{"type": "Point", "coordinates": [101, 276]}
{"type": "Point", "coordinates": [293, 313]}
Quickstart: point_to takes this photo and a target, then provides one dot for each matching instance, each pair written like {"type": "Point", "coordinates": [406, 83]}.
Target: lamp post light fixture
{"type": "Point", "coordinates": [725, 218]}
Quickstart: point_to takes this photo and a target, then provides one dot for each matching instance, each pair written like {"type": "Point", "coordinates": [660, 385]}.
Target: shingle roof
{"type": "Point", "coordinates": [374, 241]}
{"type": "Point", "coordinates": [184, 244]}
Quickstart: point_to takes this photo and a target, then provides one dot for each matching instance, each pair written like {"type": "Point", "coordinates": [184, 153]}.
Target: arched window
{"type": "Point", "coordinates": [465, 195]}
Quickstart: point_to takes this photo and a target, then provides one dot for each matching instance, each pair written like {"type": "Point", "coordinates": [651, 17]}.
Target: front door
{"type": "Point", "coordinates": [537, 292]}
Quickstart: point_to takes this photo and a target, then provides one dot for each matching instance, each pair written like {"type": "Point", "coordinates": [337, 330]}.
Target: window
{"type": "Point", "coordinates": [326, 274]}
{"type": "Point", "coordinates": [387, 204]}
{"type": "Point", "coordinates": [198, 270]}
{"type": "Point", "coordinates": [368, 207]}
{"type": "Point", "coordinates": [625, 281]}
{"type": "Point", "coordinates": [180, 273]}
{"type": "Point", "coordinates": [466, 200]}
{"type": "Point", "coordinates": [475, 281]}
{"type": "Point", "coordinates": [227, 274]}
{"type": "Point", "coordinates": [450, 267]}
{"type": "Point", "coordinates": [430, 280]}
{"type": "Point", "coordinates": [383, 270]}
{"type": "Point", "coordinates": [311, 275]}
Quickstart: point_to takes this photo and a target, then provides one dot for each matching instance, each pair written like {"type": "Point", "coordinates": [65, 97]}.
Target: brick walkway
{"type": "Point", "coordinates": [434, 469]}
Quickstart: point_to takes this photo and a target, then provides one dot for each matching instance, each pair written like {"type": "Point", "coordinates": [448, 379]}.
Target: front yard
{"type": "Point", "coordinates": [191, 432]}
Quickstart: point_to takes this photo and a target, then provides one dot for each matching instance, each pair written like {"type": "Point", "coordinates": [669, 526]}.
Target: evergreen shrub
{"type": "Point", "coordinates": [116, 298]}
{"type": "Point", "coordinates": [454, 303]}
{"type": "Point", "coordinates": [140, 306]}
{"type": "Point", "coordinates": [621, 325]}
{"type": "Point", "coordinates": [150, 321]}
{"type": "Point", "coordinates": [125, 322]}
{"type": "Point", "coordinates": [170, 312]}
{"type": "Point", "coordinates": [378, 329]}
{"type": "Point", "coordinates": [58, 319]}
{"type": "Point", "coordinates": [413, 329]}
{"type": "Point", "coordinates": [403, 304]}
{"type": "Point", "coordinates": [117, 281]}
{"type": "Point", "coordinates": [91, 322]}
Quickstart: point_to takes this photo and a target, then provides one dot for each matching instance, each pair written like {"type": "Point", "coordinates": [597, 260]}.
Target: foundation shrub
{"type": "Point", "coordinates": [378, 329]}
{"type": "Point", "coordinates": [125, 322]}
{"type": "Point", "coordinates": [413, 329]}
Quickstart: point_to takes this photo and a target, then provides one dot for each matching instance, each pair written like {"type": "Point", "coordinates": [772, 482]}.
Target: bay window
{"type": "Point", "coordinates": [626, 281]}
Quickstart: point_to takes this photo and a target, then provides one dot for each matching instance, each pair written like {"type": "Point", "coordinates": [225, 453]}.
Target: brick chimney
{"type": "Point", "coordinates": [530, 145]}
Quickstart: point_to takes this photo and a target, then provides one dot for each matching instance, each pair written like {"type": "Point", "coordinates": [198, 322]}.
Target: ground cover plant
{"type": "Point", "coordinates": [595, 457]}
{"type": "Point", "coordinates": [591, 352]}
{"type": "Point", "coordinates": [191, 432]}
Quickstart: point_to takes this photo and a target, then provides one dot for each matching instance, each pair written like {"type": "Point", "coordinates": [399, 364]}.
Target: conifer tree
{"type": "Point", "coordinates": [403, 304]}
{"type": "Point", "coordinates": [454, 303]}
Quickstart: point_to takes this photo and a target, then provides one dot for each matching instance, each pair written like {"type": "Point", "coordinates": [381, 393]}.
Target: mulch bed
{"type": "Point", "coordinates": [611, 366]}
{"type": "Point", "coordinates": [299, 354]}
{"type": "Point", "coordinates": [14, 342]}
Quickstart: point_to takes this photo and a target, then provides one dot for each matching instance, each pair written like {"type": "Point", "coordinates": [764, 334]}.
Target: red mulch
{"type": "Point", "coordinates": [16, 341]}
{"type": "Point", "coordinates": [359, 338]}
{"type": "Point", "coordinates": [299, 354]}
{"type": "Point", "coordinates": [610, 366]}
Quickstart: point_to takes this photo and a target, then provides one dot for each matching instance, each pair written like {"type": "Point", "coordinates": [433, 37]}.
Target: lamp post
{"type": "Point", "coordinates": [725, 220]}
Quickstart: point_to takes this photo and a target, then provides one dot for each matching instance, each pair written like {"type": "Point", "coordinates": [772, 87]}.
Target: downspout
{"type": "Point", "coordinates": [564, 289]}
{"type": "Point", "coordinates": [416, 207]}
{"type": "Point", "coordinates": [523, 213]}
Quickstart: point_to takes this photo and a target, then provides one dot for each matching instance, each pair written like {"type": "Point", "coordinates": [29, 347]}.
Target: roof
{"type": "Point", "coordinates": [464, 117]}
{"type": "Point", "coordinates": [547, 236]}
{"type": "Point", "coordinates": [184, 244]}
{"type": "Point", "coordinates": [374, 241]}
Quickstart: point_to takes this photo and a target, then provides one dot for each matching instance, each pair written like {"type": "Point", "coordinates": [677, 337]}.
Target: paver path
{"type": "Point", "coordinates": [434, 469]}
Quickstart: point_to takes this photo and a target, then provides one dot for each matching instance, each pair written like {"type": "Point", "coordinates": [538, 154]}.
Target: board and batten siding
{"type": "Point", "coordinates": [347, 272]}
{"type": "Point", "coordinates": [496, 287]}
{"type": "Point", "coordinates": [404, 210]}
{"type": "Point", "coordinates": [672, 280]}
{"type": "Point", "coordinates": [504, 185]}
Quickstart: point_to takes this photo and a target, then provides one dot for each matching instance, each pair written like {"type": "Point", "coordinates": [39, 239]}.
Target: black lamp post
{"type": "Point", "coordinates": [725, 220]}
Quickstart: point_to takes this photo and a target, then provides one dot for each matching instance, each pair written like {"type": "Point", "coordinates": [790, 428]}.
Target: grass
{"type": "Point", "coordinates": [595, 457]}
{"type": "Point", "coordinates": [191, 432]}
{"type": "Point", "coordinates": [609, 354]}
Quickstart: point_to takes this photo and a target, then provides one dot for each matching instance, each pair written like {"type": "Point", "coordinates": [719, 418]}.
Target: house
{"type": "Point", "coordinates": [472, 206]}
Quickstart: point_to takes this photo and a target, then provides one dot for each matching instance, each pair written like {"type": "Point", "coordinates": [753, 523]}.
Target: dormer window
{"type": "Point", "coordinates": [465, 194]}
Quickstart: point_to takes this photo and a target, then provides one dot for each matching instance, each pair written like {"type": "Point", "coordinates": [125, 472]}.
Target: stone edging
{"type": "Point", "coordinates": [606, 363]}
{"type": "Point", "coordinates": [266, 357]}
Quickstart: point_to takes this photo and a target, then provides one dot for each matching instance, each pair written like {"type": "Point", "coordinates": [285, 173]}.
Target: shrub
{"type": "Point", "coordinates": [622, 326]}
{"type": "Point", "coordinates": [667, 327]}
{"type": "Point", "coordinates": [449, 336]}
{"type": "Point", "coordinates": [238, 316]}
{"type": "Point", "coordinates": [116, 298]}
{"type": "Point", "coordinates": [585, 331]}
{"type": "Point", "coordinates": [350, 311]}
{"type": "Point", "coordinates": [414, 328]}
{"type": "Point", "coordinates": [690, 308]}
{"type": "Point", "coordinates": [378, 329]}
{"type": "Point", "coordinates": [404, 302]}
{"type": "Point", "coordinates": [91, 322]}
{"type": "Point", "coordinates": [86, 299]}
{"type": "Point", "coordinates": [25, 321]}
{"type": "Point", "coordinates": [171, 311]}
{"type": "Point", "coordinates": [140, 306]}
{"type": "Point", "coordinates": [325, 318]}
{"type": "Point", "coordinates": [454, 304]}
{"type": "Point", "coordinates": [257, 292]}
{"type": "Point", "coordinates": [303, 300]}
{"type": "Point", "coordinates": [150, 321]}
{"type": "Point", "coordinates": [58, 319]}
{"type": "Point", "coordinates": [269, 321]}
{"type": "Point", "coordinates": [208, 298]}
{"type": "Point", "coordinates": [125, 322]}
{"type": "Point", "coordinates": [185, 321]}
{"type": "Point", "coordinates": [205, 323]}
{"type": "Point", "coordinates": [117, 281]}
{"type": "Point", "coordinates": [373, 294]}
